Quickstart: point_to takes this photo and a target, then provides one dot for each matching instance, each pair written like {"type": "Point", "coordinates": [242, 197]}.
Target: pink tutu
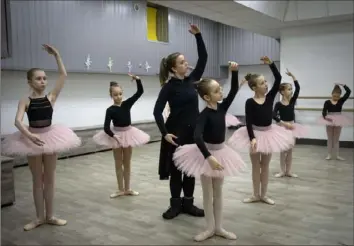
{"type": "Point", "coordinates": [190, 160]}
{"type": "Point", "coordinates": [270, 139]}
{"type": "Point", "coordinates": [129, 137]}
{"type": "Point", "coordinates": [231, 120]}
{"type": "Point", "coordinates": [338, 119]}
{"type": "Point", "coordinates": [299, 131]}
{"type": "Point", "coordinates": [56, 138]}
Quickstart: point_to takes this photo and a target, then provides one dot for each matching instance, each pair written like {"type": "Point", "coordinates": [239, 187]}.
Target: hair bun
{"type": "Point", "coordinates": [113, 83]}
{"type": "Point", "coordinates": [248, 76]}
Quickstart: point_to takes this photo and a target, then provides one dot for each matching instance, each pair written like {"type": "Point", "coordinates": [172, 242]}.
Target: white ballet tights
{"type": "Point", "coordinates": [212, 202]}
{"type": "Point", "coordinates": [333, 134]}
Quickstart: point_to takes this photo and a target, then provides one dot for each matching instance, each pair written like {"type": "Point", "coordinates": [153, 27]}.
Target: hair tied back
{"type": "Point", "coordinates": [113, 83]}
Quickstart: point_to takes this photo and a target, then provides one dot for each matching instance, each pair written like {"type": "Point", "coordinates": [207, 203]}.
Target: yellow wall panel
{"type": "Point", "coordinates": [151, 24]}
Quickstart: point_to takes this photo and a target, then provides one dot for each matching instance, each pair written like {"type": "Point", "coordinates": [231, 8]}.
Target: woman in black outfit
{"type": "Point", "coordinates": [181, 95]}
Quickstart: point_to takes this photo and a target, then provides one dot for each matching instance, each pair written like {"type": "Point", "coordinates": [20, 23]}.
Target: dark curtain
{"type": "Point", "coordinates": [5, 29]}
{"type": "Point", "coordinates": [162, 24]}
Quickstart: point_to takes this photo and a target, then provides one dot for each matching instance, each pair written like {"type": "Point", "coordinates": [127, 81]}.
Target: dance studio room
{"type": "Point", "coordinates": [177, 122]}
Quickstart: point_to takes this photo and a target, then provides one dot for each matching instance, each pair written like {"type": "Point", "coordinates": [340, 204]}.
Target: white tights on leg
{"type": "Point", "coordinates": [212, 202]}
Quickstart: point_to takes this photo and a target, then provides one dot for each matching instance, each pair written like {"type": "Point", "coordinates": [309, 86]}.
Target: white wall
{"type": "Point", "coordinates": [238, 105]}
{"type": "Point", "coordinates": [319, 56]}
{"type": "Point", "coordinates": [83, 101]}
{"type": "Point", "coordinates": [85, 97]}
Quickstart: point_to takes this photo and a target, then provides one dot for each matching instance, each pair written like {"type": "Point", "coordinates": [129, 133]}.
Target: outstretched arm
{"type": "Point", "coordinates": [346, 95]}
{"type": "Point", "coordinates": [59, 84]}
{"type": "Point", "coordinates": [226, 103]}
{"type": "Point", "coordinates": [277, 76]}
{"type": "Point", "coordinates": [198, 134]}
{"type": "Point", "coordinates": [297, 88]}
{"type": "Point", "coordinates": [139, 92]}
{"type": "Point", "coordinates": [198, 71]}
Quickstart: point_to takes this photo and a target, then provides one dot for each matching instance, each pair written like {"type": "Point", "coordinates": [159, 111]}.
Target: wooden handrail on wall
{"type": "Point", "coordinates": [319, 98]}
{"type": "Point", "coordinates": [320, 109]}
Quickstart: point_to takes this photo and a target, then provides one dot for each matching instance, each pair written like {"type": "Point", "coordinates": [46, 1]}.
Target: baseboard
{"type": "Point", "coordinates": [323, 142]}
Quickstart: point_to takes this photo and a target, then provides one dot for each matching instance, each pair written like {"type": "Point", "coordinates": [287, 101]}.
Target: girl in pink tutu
{"type": "Point", "coordinates": [260, 135]}
{"type": "Point", "coordinates": [122, 137]}
{"type": "Point", "coordinates": [284, 113]}
{"type": "Point", "coordinates": [41, 140]}
{"type": "Point", "coordinates": [231, 120]}
{"type": "Point", "coordinates": [335, 120]}
{"type": "Point", "coordinates": [210, 159]}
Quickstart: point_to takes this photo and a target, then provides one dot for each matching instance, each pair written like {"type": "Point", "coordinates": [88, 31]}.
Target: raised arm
{"type": "Point", "coordinates": [198, 134]}
{"type": "Point", "coordinates": [59, 84]}
{"type": "Point", "coordinates": [297, 88]}
{"type": "Point", "coordinates": [346, 95]}
{"type": "Point", "coordinates": [234, 87]}
{"type": "Point", "coordinates": [277, 76]}
{"type": "Point", "coordinates": [159, 107]}
{"type": "Point", "coordinates": [140, 90]}
{"type": "Point", "coordinates": [276, 116]}
{"type": "Point", "coordinates": [249, 119]}
{"type": "Point", "coordinates": [198, 71]}
{"type": "Point", "coordinates": [107, 124]}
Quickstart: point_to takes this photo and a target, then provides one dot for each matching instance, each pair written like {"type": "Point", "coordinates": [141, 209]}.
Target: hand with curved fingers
{"type": "Point", "coordinates": [117, 138]}
{"type": "Point", "coordinates": [254, 145]}
{"type": "Point", "coordinates": [328, 119]}
{"type": "Point", "coordinates": [134, 77]}
{"type": "Point", "coordinates": [266, 60]}
{"type": "Point", "coordinates": [339, 84]}
{"type": "Point", "coordinates": [290, 74]}
{"type": "Point", "coordinates": [233, 66]}
{"type": "Point", "coordinates": [243, 82]}
{"type": "Point", "coordinates": [288, 125]}
{"type": "Point", "coordinates": [169, 138]}
{"type": "Point", "coordinates": [36, 139]}
{"type": "Point", "coordinates": [214, 164]}
{"type": "Point", "coordinates": [194, 29]}
{"type": "Point", "coordinates": [50, 49]}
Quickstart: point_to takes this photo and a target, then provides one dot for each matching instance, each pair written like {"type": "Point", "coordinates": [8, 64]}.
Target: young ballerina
{"type": "Point", "coordinates": [335, 120]}
{"type": "Point", "coordinates": [41, 141]}
{"type": "Point", "coordinates": [284, 112]}
{"type": "Point", "coordinates": [260, 135]}
{"type": "Point", "coordinates": [210, 159]}
{"type": "Point", "coordinates": [182, 98]}
{"type": "Point", "coordinates": [122, 137]}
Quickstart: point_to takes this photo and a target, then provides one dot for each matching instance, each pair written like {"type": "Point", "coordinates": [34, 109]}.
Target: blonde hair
{"type": "Point", "coordinates": [252, 79]}
{"type": "Point", "coordinates": [111, 85]}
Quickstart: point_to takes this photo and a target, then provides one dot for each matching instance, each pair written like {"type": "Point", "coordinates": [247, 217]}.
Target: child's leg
{"type": "Point", "coordinates": [336, 135]}
{"type": "Point", "coordinates": [289, 161]}
{"type": "Point", "coordinates": [50, 163]}
{"type": "Point", "coordinates": [218, 208]}
{"type": "Point", "coordinates": [283, 157]}
{"type": "Point", "coordinates": [330, 132]}
{"type": "Point", "coordinates": [256, 170]}
{"type": "Point", "coordinates": [118, 158]}
{"type": "Point", "coordinates": [127, 156]}
{"type": "Point", "coordinates": [36, 166]}
{"type": "Point", "coordinates": [207, 187]}
{"type": "Point", "coordinates": [265, 159]}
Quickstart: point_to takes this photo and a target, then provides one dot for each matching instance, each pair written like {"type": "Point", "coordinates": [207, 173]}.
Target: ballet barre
{"type": "Point", "coordinates": [308, 97]}
{"type": "Point", "coordinates": [320, 109]}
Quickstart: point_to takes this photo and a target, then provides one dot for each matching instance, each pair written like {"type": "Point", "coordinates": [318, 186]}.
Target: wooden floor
{"type": "Point", "coordinates": [314, 209]}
